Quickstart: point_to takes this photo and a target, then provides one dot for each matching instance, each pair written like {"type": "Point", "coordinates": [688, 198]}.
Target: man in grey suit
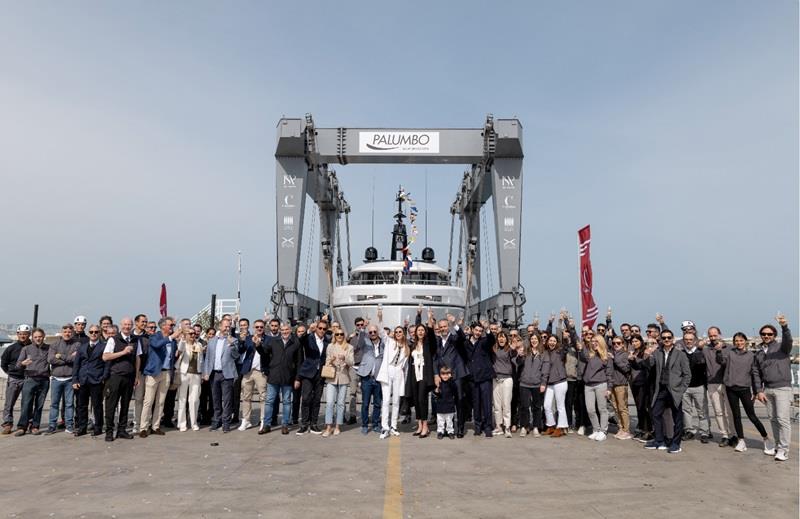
{"type": "Point", "coordinates": [219, 368]}
{"type": "Point", "coordinates": [672, 377]}
{"type": "Point", "coordinates": [371, 348]}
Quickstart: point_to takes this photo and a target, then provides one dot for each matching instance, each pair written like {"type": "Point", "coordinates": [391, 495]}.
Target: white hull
{"type": "Point", "coordinates": [399, 302]}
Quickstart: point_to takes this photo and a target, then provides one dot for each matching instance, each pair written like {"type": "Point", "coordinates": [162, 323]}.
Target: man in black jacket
{"type": "Point", "coordinates": [16, 374]}
{"type": "Point", "coordinates": [478, 352]}
{"type": "Point", "coordinates": [314, 348]}
{"type": "Point", "coordinates": [450, 344]}
{"type": "Point", "coordinates": [88, 376]}
{"type": "Point", "coordinates": [280, 357]}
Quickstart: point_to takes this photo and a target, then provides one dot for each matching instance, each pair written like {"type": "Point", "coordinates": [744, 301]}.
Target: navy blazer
{"type": "Point", "coordinates": [89, 369]}
{"type": "Point", "coordinates": [480, 358]}
{"type": "Point", "coordinates": [247, 352]}
{"type": "Point", "coordinates": [449, 354]}
{"type": "Point", "coordinates": [313, 360]}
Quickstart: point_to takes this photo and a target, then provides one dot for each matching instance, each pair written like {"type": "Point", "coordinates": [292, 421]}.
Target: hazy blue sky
{"type": "Point", "coordinates": [138, 141]}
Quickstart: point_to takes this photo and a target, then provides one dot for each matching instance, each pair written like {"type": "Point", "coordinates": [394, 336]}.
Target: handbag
{"type": "Point", "coordinates": [328, 371]}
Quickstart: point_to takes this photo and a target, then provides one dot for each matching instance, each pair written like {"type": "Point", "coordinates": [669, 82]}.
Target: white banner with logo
{"type": "Point", "coordinates": [398, 142]}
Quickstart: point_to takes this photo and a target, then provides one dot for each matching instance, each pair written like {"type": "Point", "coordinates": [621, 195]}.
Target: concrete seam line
{"type": "Point", "coordinates": [393, 492]}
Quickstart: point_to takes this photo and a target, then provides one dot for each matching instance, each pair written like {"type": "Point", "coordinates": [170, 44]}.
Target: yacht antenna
{"type": "Point", "coordinates": [372, 240]}
{"type": "Point", "coordinates": [426, 208]}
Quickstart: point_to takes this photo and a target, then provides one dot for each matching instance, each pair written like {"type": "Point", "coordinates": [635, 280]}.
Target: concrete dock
{"type": "Point", "coordinates": [351, 475]}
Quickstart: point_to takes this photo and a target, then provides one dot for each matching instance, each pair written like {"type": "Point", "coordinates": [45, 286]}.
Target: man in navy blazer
{"type": "Point", "coordinates": [158, 374]}
{"type": "Point", "coordinates": [219, 367]}
{"type": "Point", "coordinates": [88, 376]}
{"type": "Point", "coordinates": [315, 347]}
{"type": "Point", "coordinates": [478, 352]}
{"type": "Point", "coordinates": [450, 346]}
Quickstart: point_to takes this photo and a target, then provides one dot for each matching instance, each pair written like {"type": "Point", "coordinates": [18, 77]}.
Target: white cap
{"type": "Point", "coordinates": [23, 328]}
{"type": "Point", "coordinates": [80, 319]}
{"type": "Point", "coordinates": [687, 324]}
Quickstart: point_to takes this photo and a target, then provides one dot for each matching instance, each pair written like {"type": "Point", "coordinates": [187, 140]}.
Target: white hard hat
{"type": "Point", "coordinates": [687, 324]}
{"type": "Point", "coordinates": [23, 328]}
{"type": "Point", "coordinates": [81, 319]}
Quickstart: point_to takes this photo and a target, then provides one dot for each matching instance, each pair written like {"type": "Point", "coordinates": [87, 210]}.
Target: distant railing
{"type": "Point", "coordinates": [224, 306]}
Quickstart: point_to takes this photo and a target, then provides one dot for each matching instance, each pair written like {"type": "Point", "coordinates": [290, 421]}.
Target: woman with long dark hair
{"type": "Point", "coordinates": [641, 389]}
{"type": "Point", "coordinates": [420, 381]}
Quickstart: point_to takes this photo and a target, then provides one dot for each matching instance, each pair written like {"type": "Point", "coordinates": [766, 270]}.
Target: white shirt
{"type": "Point", "coordinates": [321, 344]}
{"type": "Point", "coordinates": [218, 354]}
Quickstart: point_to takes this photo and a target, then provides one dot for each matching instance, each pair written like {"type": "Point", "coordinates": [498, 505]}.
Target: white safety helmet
{"type": "Point", "coordinates": [23, 328]}
{"type": "Point", "coordinates": [81, 319]}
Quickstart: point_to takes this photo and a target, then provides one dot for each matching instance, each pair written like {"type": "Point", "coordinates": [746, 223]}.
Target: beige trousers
{"type": "Point", "coordinates": [155, 393]}
{"type": "Point", "coordinates": [255, 380]}
{"type": "Point", "coordinates": [619, 399]}
{"type": "Point", "coordinates": [722, 409]}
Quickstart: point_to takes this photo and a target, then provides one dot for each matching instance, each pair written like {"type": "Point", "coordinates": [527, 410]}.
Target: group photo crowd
{"type": "Point", "coordinates": [507, 382]}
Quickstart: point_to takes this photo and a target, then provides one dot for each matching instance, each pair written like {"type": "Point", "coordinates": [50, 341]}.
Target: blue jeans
{"type": "Point", "coordinates": [286, 400]}
{"type": "Point", "coordinates": [371, 390]}
{"type": "Point", "coordinates": [34, 391]}
{"type": "Point", "coordinates": [60, 389]}
{"type": "Point", "coordinates": [335, 394]}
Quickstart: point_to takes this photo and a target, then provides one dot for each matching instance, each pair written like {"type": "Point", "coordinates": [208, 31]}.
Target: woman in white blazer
{"type": "Point", "coordinates": [392, 376]}
{"type": "Point", "coordinates": [190, 366]}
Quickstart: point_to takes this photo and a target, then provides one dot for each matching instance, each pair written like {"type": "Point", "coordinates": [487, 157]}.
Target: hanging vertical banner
{"type": "Point", "coordinates": [162, 302]}
{"type": "Point", "coordinates": [588, 307]}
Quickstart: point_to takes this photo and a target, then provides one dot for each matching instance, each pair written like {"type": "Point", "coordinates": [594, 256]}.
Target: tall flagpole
{"type": "Point", "coordinates": [239, 282]}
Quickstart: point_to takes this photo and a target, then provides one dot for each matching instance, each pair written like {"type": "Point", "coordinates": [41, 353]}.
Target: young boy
{"type": "Point", "coordinates": [445, 404]}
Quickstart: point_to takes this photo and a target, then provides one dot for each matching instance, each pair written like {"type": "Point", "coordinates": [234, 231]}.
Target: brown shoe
{"type": "Point", "coordinates": [284, 430]}
{"type": "Point", "coordinates": [7, 429]}
{"type": "Point", "coordinates": [20, 432]}
{"type": "Point", "coordinates": [158, 432]}
{"type": "Point", "coordinates": [143, 433]}
{"type": "Point", "coordinates": [549, 431]}
{"type": "Point", "coordinates": [557, 433]}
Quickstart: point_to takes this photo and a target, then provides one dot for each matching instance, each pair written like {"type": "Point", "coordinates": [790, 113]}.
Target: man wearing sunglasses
{"type": "Point", "coordinates": [314, 348]}
{"type": "Point", "coordinates": [142, 330]}
{"type": "Point", "coordinates": [88, 377]}
{"type": "Point", "coordinates": [773, 362]}
{"type": "Point", "coordinates": [372, 348]}
{"type": "Point", "coordinates": [157, 375]}
{"type": "Point", "coordinates": [250, 372]}
{"type": "Point", "coordinates": [672, 377]}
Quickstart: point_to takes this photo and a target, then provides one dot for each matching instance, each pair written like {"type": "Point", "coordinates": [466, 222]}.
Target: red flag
{"type": "Point", "coordinates": [588, 306]}
{"type": "Point", "coordinates": [162, 302]}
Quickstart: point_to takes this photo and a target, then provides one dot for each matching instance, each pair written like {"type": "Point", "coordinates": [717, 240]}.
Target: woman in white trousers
{"type": "Point", "coordinates": [554, 386]}
{"type": "Point", "coordinates": [392, 376]}
{"type": "Point", "coordinates": [189, 367]}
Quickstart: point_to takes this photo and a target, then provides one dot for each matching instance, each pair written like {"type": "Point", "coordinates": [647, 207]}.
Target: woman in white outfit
{"type": "Point", "coordinates": [392, 376]}
{"type": "Point", "coordinates": [189, 365]}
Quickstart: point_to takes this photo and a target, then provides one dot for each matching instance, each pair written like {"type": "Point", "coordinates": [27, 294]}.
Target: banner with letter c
{"type": "Point", "coordinates": [589, 310]}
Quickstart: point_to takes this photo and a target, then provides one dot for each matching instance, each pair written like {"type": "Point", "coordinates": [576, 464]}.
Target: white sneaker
{"type": "Point", "coordinates": [600, 436]}
{"type": "Point", "coordinates": [581, 430]}
{"type": "Point", "coordinates": [769, 447]}
{"type": "Point", "coordinates": [740, 447]}
{"type": "Point", "coordinates": [195, 428]}
{"type": "Point", "coordinates": [384, 434]}
{"type": "Point", "coordinates": [182, 429]}
{"type": "Point", "coordinates": [497, 432]}
{"type": "Point", "coordinates": [523, 432]}
{"type": "Point", "coordinates": [245, 425]}
{"type": "Point", "coordinates": [536, 433]}
{"type": "Point", "coordinates": [394, 432]}
{"type": "Point", "coordinates": [508, 433]}
{"type": "Point", "coordinates": [593, 436]}
{"type": "Point", "coordinates": [781, 455]}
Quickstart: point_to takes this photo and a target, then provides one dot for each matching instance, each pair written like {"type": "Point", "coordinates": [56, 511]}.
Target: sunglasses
{"type": "Point", "coordinates": [94, 331]}
{"type": "Point", "coordinates": [373, 333]}
{"type": "Point", "coordinates": [617, 342]}
{"type": "Point", "coordinates": [666, 338]}
{"type": "Point", "coordinates": [259, 327]}
{"type": "Point", "coordinates": [338, 334]}
{"type": "Point", "coordinates": [769, 334]}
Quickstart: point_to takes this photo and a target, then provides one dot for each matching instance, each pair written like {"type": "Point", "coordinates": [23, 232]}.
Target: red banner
{"type": "Point", "coordinates": [162, 302]}
{"type": "Point", "coordinates": [589, 310]}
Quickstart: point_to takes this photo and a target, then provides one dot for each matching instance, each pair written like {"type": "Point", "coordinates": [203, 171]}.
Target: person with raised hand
{"type": "Point", "coordinates": [336, 374]}
{"type": "Point", "coordinates": [392, 376]}
{"type": "Point", "coordinates": [773, 361]}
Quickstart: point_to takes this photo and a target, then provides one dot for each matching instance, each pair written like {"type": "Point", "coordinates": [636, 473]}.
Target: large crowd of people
{"type": "Point", "coordinates": [534, 382]}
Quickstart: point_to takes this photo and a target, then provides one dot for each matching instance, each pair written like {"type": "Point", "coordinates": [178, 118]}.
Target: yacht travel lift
{"type": "Point", "coordinates": [494, 155]}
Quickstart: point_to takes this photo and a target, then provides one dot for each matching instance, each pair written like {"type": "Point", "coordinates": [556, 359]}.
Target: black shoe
{"type": "Point", "coordinates": [459, 435]}
{"type": "Point", "coordinates": [274, 423]}
{"type": "Point", "coordinates": [723, 442]}
{"type": "Point", "coordinates": [226, 430]}
{"type": "Point", "coordinates": [49, 431]}
{"type": "Point", "coordinates": [79, 433]}
{"type": "Point", "coordinates": [688, 435]}
{"type": "Point", "coordinates": [732, 441]}
{"type": "Point", "coordinates": [406, 419]}
{"type": "Point", "coordinates": [453, 436]}
{"type": "Point", "coordinates": [351, 421]}
{"type": "Point", "coordinates": [61, 425]}
{"type": "Point", "coordinates": [704, 438]}
{"type": "Point", "coordinates": [264, 430]}
{"type": "Point", "coordinates": [167, 424]}
{"type": "Point", "coordinates": [489, 434]}
{"type": "Point", "coordinates": [143, 433]}
{"type": "Point", "coordinates": [477, 432]}
{"type": "Point", "coordinates": [97, 432]}
{"type": "Point", "coordinates": [123, 434]}
{"type": "Point", "coordinates": [109, 437]}
{"type": "Point", "coordinates": [439, 436]}
{"type": "Point", "coordinates": [424, 435]}
{"type": "Point", "coordinates": [315, 430]}
{"type": "Point", "coordinates": [158, 432]}
{"type": "Point", "coordinates": [295, 422]}
{"type": "Point", "coordinates": [301, 431]}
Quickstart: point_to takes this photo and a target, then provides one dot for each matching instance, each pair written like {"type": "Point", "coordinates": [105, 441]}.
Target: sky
{"type": "Point", "coordinates": [138, 145]}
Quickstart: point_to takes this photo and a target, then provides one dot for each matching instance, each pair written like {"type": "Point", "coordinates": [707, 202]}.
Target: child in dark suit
{"type": "Point", "coordinates": [445, 404]}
